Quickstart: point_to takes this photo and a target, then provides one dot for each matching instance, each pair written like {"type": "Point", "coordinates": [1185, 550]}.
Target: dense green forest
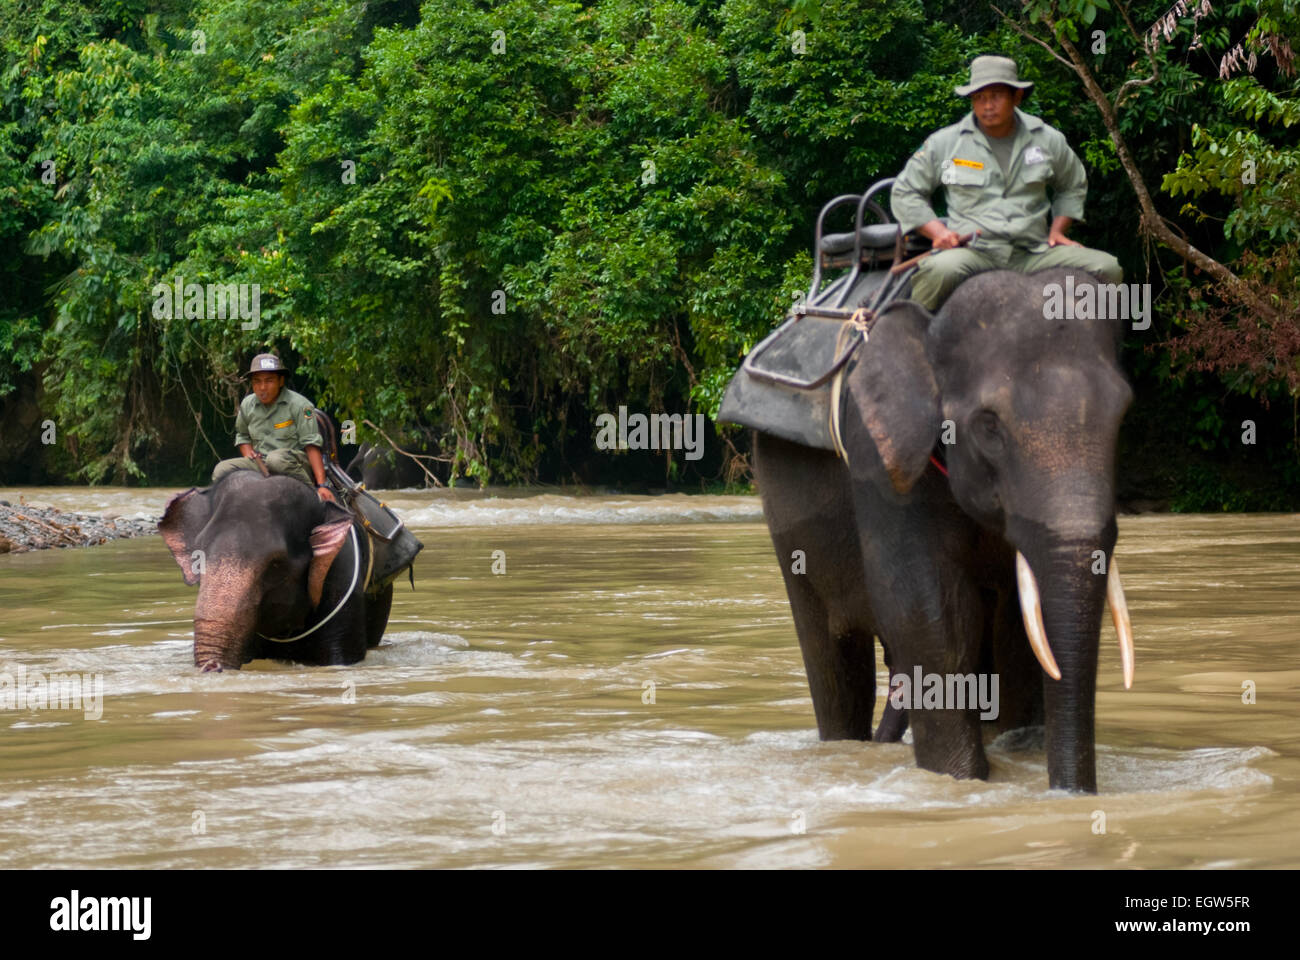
{"type": "Point", "coordinates": [481, 225]}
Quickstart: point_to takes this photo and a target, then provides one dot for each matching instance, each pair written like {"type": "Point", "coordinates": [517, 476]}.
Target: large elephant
{"type": "Point", "coordinates": [1026, 411]}
{"type": "Point", "coordinates": [281, 574]}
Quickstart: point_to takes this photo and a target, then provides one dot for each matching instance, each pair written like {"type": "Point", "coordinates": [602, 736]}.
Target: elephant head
{"type": "Point", "coordinates": [260, 550]}
{"type": "Point", "coordinates": [1027, 412]}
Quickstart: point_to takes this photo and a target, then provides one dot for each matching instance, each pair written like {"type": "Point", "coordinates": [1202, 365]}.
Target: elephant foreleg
{"type": "Point", "coordinates": [945, 739]}
{"type": "Point", "coordinates": [344, 636]}
{"type": "Point", "coordinates": [931, 620]}
{"type": "Point", "coordinates": [377, 609]}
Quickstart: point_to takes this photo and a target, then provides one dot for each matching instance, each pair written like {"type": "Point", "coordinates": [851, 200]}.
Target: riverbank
{"type": "Point", "coordinates": [39, 526]}
{"type": "Point", "coordinates": [37, 518]}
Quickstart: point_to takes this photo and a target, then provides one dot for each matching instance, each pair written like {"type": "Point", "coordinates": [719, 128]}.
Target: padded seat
{"type": "Point", "coordinates": [875, 236]}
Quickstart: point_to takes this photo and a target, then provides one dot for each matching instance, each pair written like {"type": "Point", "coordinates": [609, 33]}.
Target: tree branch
{"type": "Point", "coordinates": [1145, 40]}
{"type": "Point", "coordinates": [1014, 25]}
{"type": "Point", "coordinates": [414, 456]}
{"type": "Point", "coordinates": [1150, 223]}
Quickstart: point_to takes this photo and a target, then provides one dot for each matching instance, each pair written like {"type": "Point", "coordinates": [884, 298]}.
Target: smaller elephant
{"type": "Point", "coordinates": [281, 575]}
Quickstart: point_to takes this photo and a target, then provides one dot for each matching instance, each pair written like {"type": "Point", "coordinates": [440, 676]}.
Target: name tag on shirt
{"type": "Point", "coordinates": [287, 423]}
{"type": "Point", "coordinates": [1035, 155]}
{"type": "Point", "coordinates": [973, 164]}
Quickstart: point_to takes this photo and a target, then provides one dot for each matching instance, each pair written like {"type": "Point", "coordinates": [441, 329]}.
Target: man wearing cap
{"type": "Point", "coordinates": [276, 428]}
{"type": "Point", "coordinates": [995, 164]}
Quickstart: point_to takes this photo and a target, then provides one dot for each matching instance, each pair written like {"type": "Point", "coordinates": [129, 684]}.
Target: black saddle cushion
{"type": "Point", "coordinates": [875, 236]}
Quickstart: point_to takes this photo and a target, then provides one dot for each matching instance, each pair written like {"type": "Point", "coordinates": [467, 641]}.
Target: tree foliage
{"type": "Point", "coordinates": [480, 225]}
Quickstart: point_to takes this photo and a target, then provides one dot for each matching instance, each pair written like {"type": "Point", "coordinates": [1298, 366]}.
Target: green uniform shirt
{"type": "Point", "coordinates": [1009, 210]}
{"type": "Point", "coordinates": [287, 424]}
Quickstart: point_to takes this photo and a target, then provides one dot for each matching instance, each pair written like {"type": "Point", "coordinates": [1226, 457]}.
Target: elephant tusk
{"type": "Point", "coordinates": [1031, 608]}
{"type": "Point", "coordinates": [1123, 627]}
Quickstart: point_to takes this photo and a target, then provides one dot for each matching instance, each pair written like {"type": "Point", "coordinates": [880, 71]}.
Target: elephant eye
{"type": "Point", "coordinates": [988, 429]}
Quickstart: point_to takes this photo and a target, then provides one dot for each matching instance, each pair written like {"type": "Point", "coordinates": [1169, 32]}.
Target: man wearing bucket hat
{"type": "Point", "coordinates": [276, 430]}
{"type": "Point", "coordinates": [996, 165]}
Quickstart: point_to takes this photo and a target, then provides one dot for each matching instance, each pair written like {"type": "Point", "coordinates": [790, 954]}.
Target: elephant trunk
{"type": "Point", "coordinates": [216, 647]}
{"type": "Point", "coordinates": [224, 618]}
{"type": "Point", "coordinates": [1072, 591]}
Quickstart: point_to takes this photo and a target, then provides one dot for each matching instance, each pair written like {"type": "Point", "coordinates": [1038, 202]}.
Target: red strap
{"type": "Point", "coordinates": [942, 468]}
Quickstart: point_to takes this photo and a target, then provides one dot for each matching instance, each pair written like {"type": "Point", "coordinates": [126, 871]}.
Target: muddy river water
{"type": "Point", "coordinates": [628, 692]}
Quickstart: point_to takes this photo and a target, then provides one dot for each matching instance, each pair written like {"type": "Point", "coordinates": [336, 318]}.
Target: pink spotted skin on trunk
{"type": "Point", "coordinates": [224, 616]}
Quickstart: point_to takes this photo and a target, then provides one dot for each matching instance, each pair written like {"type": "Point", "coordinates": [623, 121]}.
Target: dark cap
{"type": "Point", "coordinates": [267, 363]}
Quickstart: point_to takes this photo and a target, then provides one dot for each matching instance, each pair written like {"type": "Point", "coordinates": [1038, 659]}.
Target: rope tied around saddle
{"type": "Point", "coordinates": [859, 323]}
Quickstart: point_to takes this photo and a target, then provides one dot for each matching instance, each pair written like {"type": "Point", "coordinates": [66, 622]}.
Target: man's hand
{"type": "Point", "coordinates": [941, 238]}
{"type": "Point", "coordinates": [246, 449]}
{"type": "Point", "coordinates": [1056, 233]}
{"type": "Point", "coordinates": [317, 462]}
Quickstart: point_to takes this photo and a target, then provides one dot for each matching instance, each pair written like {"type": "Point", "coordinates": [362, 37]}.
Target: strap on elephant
{"type": "Point", "coordinates": [857, 331]}
{"type": "Point", "coordinates": [860, 319]}
{"type": "Point", "coordinates": [939, 461]}
{"type": "Point", "coordinates": [858, 328]}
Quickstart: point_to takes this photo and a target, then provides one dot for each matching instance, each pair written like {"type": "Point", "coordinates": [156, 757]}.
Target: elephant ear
{"type": "Point", "coordinates": [893, 403]}
{"type": "Point", "coordinates": [326, 542]}
{"type": "Point", "coordinates": [184, 516]}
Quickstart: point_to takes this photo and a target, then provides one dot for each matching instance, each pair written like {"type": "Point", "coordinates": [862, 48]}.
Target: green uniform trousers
{"type": "Point", "coordinates": [291, 463]}
{"type": "Point", "coordinates": [938, 275]}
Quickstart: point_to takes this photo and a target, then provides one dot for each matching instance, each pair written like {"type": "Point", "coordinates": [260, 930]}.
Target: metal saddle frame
{"type": "Point", "coordinates": [855, 295]}
{"type": "Point", "coordinates": [790, 384]}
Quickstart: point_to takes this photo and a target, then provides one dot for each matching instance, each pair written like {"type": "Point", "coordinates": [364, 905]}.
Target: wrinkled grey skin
{"type": "Point", "coordinates": [266, 543]}
{"type": "Point", "coordinates": [925, 562]}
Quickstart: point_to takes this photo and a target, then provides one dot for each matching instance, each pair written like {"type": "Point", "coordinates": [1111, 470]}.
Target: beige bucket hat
{"type": "Point", "coordinates": [986, 71]}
